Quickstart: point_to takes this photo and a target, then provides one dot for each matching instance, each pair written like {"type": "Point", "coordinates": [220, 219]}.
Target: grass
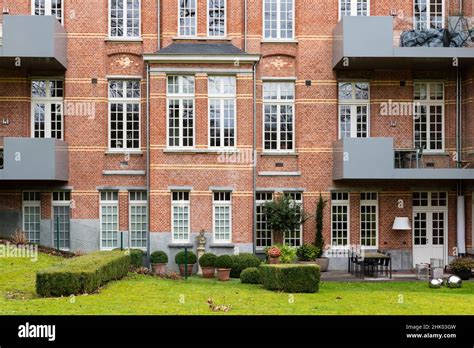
{"type": "Point", "coordinates": [138, 294]}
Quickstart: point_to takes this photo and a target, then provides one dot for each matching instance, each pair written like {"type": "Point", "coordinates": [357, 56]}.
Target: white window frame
{"type": "Point", "coordinates": [423, 25]}
{"type": "Point", "coordinates": [195, 19]}
{"type": "Point", "coordinates": [428, 103]}
{"type": "Point", "coordinates": [125, 28]}
{"type": "Point", "coordinates": [109, 201]}
{"type": "Point", "coordinates": [209, 20]}
{"type": "Point", "coordinates": [300, 203]}
{"type": "Point", "coordinates": [124, 101]}
{"type": "Point", "coordinates": [278, 21]}
{"type": "Point", "coordinates": [369, 203]}
{"type": "Point", "coordinates": [353, 8]}
{"type": "Point", "coordinates": [180, 204]}
{"type": "Point", "coordinates": [137, 202]}
{"type": "Point", "coordinates": [31, 202]}
{"type": "Point", "coordinates": [48, 101]}
{"type": "Point", "coordinates": [353, 103]}
{"type": "Point", "coordinates": [222, 98]}
{"type": "Point", "coordinates": [338, 203]}
{"type": "Point", "coordinates": [279, 102]}
{"type": "Point", "coordinates": [61, 202]}
{"type": "Point", "coordinates": [180, 96]}
{"type": "Point", "coordinates": [48, 9]}
{"type": "Point", "coordinates": [221, 204]}
{"type": "Point", "coordinates": [261, 203]}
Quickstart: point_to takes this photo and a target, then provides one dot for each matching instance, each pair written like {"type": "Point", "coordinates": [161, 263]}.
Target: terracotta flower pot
{"type": "Point", "coordinates": [159, 268]}
{"type": "Point", "coordinates": [223, 274]}
{"type": "Point", "coordinates": [208, 272]}
{"type": "Point", "coordinates": [274, 260]}
{"type": "Point", "coordinates": [182, 269]}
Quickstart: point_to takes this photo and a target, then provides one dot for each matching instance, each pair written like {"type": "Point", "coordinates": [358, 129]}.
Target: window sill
{"type": "Point", "coordinates": [179, 245]}
{"type": "Point", "coordinates": [282, 41]}
{"type": "Point", "coordinates": [202, 38]}
{"type": "Point", "coordinates": [201, 151]}
{"type": "Point", "coordinates": [124, 39]}
{"type": "Point", "coordinates": [277, 154]}
{"type": "Point", "coordinates": [435, 153]}
{"type": "Point", "coordinates": [284, 174]}
{"type": "Point", "coordinates": [223, 245]}
{"type": "Point", "coordinates": [124, 152]}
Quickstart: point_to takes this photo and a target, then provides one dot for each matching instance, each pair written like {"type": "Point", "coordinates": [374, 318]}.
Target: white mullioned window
{"type": "Point", "coordinates": [340, 219]}
{"type": "Point", "coordinates": [48, 8]}
{"type": "Point", "coordinates": [187, 22]}
{"type": "Point", "coordinates": [180, 216]}
{"type": "Point", "coordinates": [354, 8]}
{"type": "Point", "coordinates": [62, 219]}
{"type": "Point", "coordinates": [222, 217]}
{"type": "Point", "coordinates": [32, 216]}
{"type": "Point", "coordinates": [47, 100]}
{"type": "Point", "coordinates": [180, 97]}
{"type": "Point", "coordinates": [222, 113]}
{"type": "Point", "coordinates": [429, 14]}
{"type": "Point", "coordinates": [295, 237]}
{"type": "Point", "coordinates": [109, 220]}
{"type": "Point", "coordinates": [124, 19]}
{"type": "Point", "coordinates": [429, 116]}
{"type": "Point", "coordinates": [278, 19]}
{"type": "Point", "coordinates": [124, 114]}
{"type": "Point", "coordinates": [216, 18]}
{"type": "Point", "coordinates": [354, 106]}
{"type": "Point", "coordinates": [279, 116]}
{"type": "Point", "coordinates": [369, 219]}
{"type": "Point", "coordinates": [264, 234]}
{"type": "Point", "coordinates": [138, 219]}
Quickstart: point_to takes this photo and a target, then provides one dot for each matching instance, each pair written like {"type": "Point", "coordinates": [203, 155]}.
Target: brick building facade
{"type": "Point", "coordinates": [242, 101]}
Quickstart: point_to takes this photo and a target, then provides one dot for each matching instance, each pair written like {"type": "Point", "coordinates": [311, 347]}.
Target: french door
{"type": "Point", "coordinates": [429, 236]}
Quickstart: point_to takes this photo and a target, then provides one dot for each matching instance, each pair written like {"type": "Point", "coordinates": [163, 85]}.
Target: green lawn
{"type": "Point", "coordinates": [147, 295]}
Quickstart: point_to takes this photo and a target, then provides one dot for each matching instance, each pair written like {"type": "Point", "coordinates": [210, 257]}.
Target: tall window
{"type": "Point", "coordinates": [429, 116]}
{"type": "Point", "coordinates": [294, 238]}
{"type": "Point", "coordinates": [47, 98]}
{"type": "Point", "coordinates": [124, 109]}
{"type": "Point", "coordinates": [32, 216]}
{"type": "Point", "coordinates": [264, 233]}
{"type": "Point", "coordinates": [279, 19]}
{"type": "Point", "coordinates": [340, 219]}
{"type": "Point", "coordinates": [222, 217]}
{"type": "Point", "coordinates": [429, 14]}
{"type": "Point", "coordinates": [279, 105]}
{"type": "Point", "coordinates": [62, 219]}
{"type": "Point", "coordinates": [354, 106]}
{"type": "Point", "coordinates": [354, 8]}
{"type": "Point", "coordinates": [109, 219]}
{"type": "Point", "coordinates": [138, 219]}
{"type": "Point", "coordinates": [124, 18]}
{"type": "Point", "coordinates": [222, 101]}
{"type": "Point", "coordinates": [180, 212]}
{"type": "Point", "coordinates": [180, 111]}
{"type": "Point", "coordinates": [369, 219]}
{"type": "Point", "coordinates": [216, 25]}
{"type": "Point", "coordinates": [187, 17]}
{"type": "Point", "coordinates": [48, 8]}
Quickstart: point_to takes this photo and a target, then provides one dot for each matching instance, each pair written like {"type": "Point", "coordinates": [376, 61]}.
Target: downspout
{"type": "Point", "coordinates": [148, 210]}
{"type": "Point", "coordinates": [254, 146]}
{"type": "Point", "coordinates": [461, 208]}
{"type": "Point", "coordinates": [245, 24]}
{"type": "Point", "coordinates": [158, 23]}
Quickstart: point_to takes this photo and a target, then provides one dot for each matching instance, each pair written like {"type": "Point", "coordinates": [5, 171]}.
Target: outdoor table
{"type": "Point", "coordinates": [371, 258]}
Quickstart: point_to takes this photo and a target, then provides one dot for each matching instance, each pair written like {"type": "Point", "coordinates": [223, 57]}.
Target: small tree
{"type": "Point", "coordinates": [319, 242]}
{"type": "Point", "coordinates": [283, 215]}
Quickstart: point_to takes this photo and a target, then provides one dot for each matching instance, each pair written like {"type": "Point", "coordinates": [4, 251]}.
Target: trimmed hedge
{"type": "Point", "coordinates": [82, 275]}
{"type": "Point", "coordinates": [241, 262]}
{"type": "Point", "coordinates": [180, 258]}
{"type": "Point", "coordinates": [250, 276]}
{"type": "Point", "coordinates": [136, 258]}
{"type": "Point", "coordinates": [291, 278]}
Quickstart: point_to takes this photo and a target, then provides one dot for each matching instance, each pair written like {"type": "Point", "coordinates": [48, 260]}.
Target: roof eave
{"type": "Point", "coordinates": [202, 58]}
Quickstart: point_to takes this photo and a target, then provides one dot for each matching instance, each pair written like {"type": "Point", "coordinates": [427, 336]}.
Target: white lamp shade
{"type": "Point", "coordinates": [401, 224]}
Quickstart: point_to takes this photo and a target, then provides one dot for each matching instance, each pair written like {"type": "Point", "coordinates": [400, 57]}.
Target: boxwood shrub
{"type": "Point", "coordinates": [180, 258]}
{"type": "Point", "coordinates": [208, 260]}
{"type": "Point", "coordinates": [136, 258]}
{"type": "Point", "coordinates": [241, 262]}
{"type": "Point", "coordinates": [158, 257]}
{"type": "Point", "coordinates": [250, 276]}
{"type": "Point", "coordinates": [291, 278]}
{"type": "Point", "coordinates": [224, 262]}
{"type": "Point", "coordinates": [84, 274]}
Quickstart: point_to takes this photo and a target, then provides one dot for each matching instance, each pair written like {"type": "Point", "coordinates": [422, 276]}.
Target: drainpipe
{"type": "Point", "coordinates": [461, 213]}
{"type": "Point", "coordinates": [158, 23]}
{"type": "Point", "coordinates": [148, 245]}
{"type": "Point", "coordinates": [254, 208]}
{"type": "Point", "coordinates": [245, 24]}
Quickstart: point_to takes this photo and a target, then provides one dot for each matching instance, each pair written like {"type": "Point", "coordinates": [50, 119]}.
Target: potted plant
{"type": "Point", "coordinates": [208, 265]}
{"type": "Point", "coordinates": [182, 259]}
{"type": "Point", "coordinates": [307, 253]}
{"type": "Point", "coordinates": [323, 262]}
{"type": "Point", "coordinates": [158, 260]}
{"type": "Point", "coordinates": [274, 254]}
{"type": "Point", "coordinates": [224, 266]}
{"type": "Point", "coordinates": [462, 267]}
